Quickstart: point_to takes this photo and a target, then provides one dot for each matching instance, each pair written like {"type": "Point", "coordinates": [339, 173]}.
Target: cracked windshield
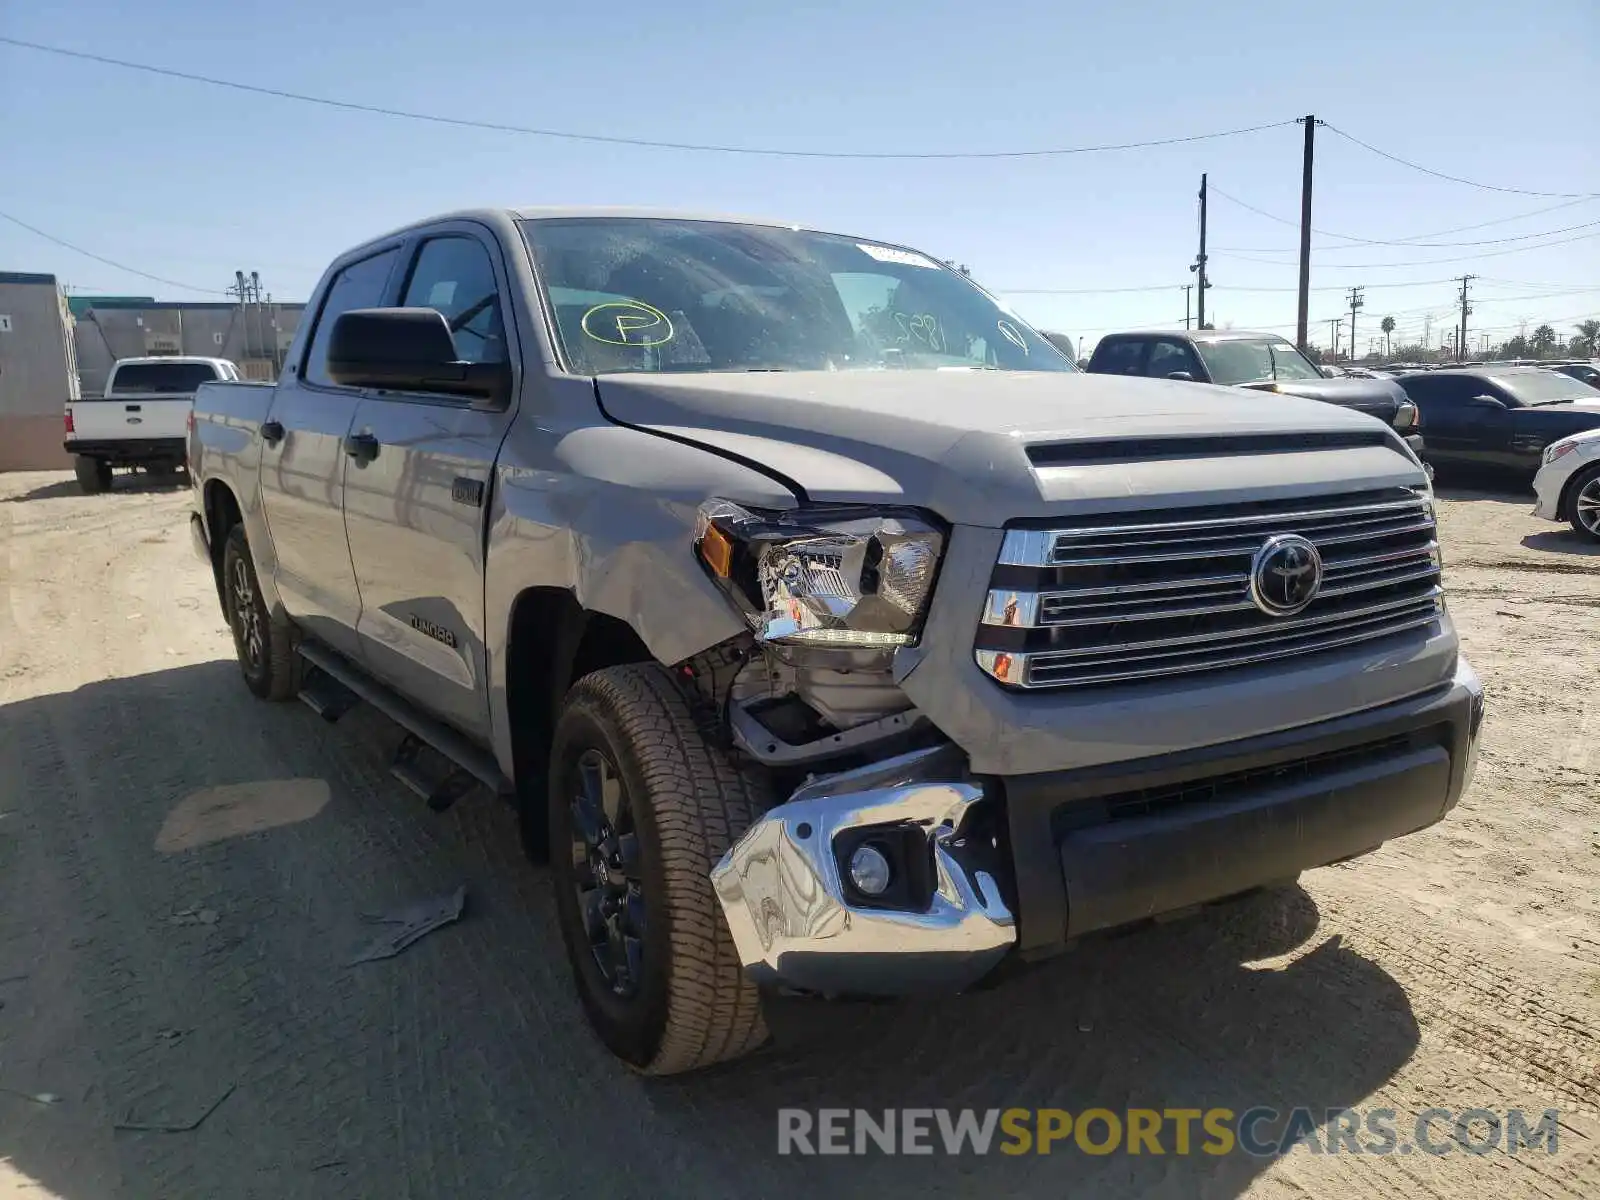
{"type": "Point", "coordinates": [642, 295]}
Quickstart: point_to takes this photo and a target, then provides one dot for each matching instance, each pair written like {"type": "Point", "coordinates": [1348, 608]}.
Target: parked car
{"type": "Point", "coordinates": [1500, 417]}
{"type": "Point", "coordinates": [1583, 372]}
{"type": "Point", "coordinates": [140, 420]}
{"type": "Point", "coordinates": [1568, 483]}
{"type": "Point", "coordinates": [1260, 361]}
{"type": "Point", "coordinates": [827, 629]}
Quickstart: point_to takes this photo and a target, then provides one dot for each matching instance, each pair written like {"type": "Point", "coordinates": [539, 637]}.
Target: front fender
{"type": "Point", "coordinates": [609, 514]}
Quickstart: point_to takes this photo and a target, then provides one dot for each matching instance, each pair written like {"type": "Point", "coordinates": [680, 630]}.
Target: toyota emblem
{"type": "Point", "coordinates": [1286, 575]}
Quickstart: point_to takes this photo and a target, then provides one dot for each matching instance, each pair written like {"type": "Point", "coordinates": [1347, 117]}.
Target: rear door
{"type": "Point", "coordinates": [415, 512]}
{"type": "Point", "coordinates": [303, 467]}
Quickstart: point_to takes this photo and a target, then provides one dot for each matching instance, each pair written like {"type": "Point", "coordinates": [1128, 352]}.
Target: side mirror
{"type": "Point", "coordinates": [1181, 376]}
{"type": "Point", "coordinates": [1486, 402]}
{"type": "Point", "coordinates": [1329, 372]}
{"type": "Point", "coordinates": [410, 350]}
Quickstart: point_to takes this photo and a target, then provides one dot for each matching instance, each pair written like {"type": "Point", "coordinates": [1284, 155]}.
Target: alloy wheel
{"type": "Point", "coordinates": [1587, 505]}
{"type": "Point", "coordinates": [606, 874]}
{"type": "Point", "coordinates": [246, 617]}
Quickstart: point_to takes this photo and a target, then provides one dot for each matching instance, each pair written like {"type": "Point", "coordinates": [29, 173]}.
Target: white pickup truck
{"type": "Point", "coordinates": [141, 419]}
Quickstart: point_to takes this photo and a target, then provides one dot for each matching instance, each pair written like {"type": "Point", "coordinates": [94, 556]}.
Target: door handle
{"type": "Point", "coordinates": [362, 447]}
{"type": "Point", "coordinates": [272, 432]}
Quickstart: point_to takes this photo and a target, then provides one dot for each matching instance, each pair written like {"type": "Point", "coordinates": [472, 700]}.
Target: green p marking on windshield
{"type": "Point", "coordinates": [627, 323]}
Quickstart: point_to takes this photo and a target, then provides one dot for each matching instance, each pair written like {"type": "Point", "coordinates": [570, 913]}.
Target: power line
{"type": "Point", "coordinates": [1521, 237]}
{"type": "Point", "coordinates": [100, 258]}
{"type": "Point", "coordinates": [1413, 239]}
{"type": "Point", "coordinates": [1417, 262]}
{"type": "Point", "coordinates": [1488, 187]}
{"type": "Point", "coordinates": [609, 139]}
{"type": "Point", "coordinates": [1216, 287]}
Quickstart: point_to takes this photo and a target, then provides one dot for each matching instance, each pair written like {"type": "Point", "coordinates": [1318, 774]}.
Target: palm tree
{"type": "Point", "coordinates": [1543, 340]}
{"type": "Point", "coordinates": [1589, 332]}
{"type": "Point", "coordinates": [1387, 325]}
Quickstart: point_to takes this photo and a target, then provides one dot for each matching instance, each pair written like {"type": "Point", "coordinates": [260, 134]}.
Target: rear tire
{"type": "Point", "coordinates": [264, 644]}
{"type": "Point", "coordinates": [641, 807]}
{"type": "Point", "coordinates": [94, 474]}
{"type": "Point", "coordinates": [1583, 503]}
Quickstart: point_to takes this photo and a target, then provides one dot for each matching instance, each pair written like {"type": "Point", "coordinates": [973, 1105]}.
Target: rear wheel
{"type": "Point", "coordinates": [1583, 509]}
{"type": "Point", "coordinates": [94, 474]}
{"type": "Point", "coordinates": [641, 806]}
{"type": "Point", "coordinates": [264, 644]}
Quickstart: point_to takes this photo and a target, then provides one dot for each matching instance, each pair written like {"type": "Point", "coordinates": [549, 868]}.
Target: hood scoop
{"type": "Point", "coordinates": [1142, 450]}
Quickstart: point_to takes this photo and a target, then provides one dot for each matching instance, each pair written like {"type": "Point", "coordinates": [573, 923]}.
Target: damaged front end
{"type": "Point", "coordinates": [876, 881]}
{"type": "Point", "coordinates": [880, 874]}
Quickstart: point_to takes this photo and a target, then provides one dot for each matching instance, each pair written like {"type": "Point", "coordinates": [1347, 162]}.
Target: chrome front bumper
{"type": "Point", "coordinates": [796, 920]}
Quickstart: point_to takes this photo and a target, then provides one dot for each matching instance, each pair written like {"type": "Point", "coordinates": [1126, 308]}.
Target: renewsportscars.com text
{"type": "Point", "coordinates": [1261, 1132]}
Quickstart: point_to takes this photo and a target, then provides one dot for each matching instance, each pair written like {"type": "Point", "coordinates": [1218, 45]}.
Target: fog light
{"type": "Point", "coordinates": [869, 870]}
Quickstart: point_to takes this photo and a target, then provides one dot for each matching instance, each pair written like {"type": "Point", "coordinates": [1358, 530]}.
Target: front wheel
{"type": "Point", "coordinates": [265, 645]}
{"type": "Point", "coordinates": [641, 806]}
{"type": "Point", "coordinates": [1583, 510]}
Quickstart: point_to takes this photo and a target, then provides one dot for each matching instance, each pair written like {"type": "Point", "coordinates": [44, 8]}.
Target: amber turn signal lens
{"type": "Point", "coordinates": [717, 550]}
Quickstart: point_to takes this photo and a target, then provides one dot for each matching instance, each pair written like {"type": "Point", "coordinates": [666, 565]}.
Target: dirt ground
{"type": "Point", "coordinates": [184, 872]}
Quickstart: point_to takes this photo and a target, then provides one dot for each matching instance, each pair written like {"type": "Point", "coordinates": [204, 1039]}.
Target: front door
{"type": "Point", "coordinates": [303, 466]}
{"type": "Point", "coordinates": [416, 510]}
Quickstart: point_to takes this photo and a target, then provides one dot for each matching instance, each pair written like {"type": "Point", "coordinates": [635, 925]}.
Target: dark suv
{"type": "Point", "coordinates": [1261, 361]}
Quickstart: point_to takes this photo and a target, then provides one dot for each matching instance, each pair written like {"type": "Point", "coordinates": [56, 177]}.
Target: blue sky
{"type": "Point", "coordinates": [190, 182]}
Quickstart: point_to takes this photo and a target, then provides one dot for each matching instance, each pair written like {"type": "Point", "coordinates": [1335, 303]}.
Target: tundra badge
{"type": "Point", "coordinates": [438, 633]}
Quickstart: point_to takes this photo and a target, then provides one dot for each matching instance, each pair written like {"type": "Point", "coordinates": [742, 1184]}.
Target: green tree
{"type": "Point", "coordinates": [1387, 325]}
{"type": "Point", "coordinates": [1517, 347]}
{"type": "Point", "coordinates": [1589, 335]}
{"type": "Point", "coordinates": [1544, 340]}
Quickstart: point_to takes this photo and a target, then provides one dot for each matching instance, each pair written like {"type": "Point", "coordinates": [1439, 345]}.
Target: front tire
{"type": "Point", "coordinates": [264, 644]}
{"type": "Point", "coordinates": [94, 474]}
{"type": "Point", "coordinates": [1583, 507]}
{"type": "Point", "coordinates": [641, 806]}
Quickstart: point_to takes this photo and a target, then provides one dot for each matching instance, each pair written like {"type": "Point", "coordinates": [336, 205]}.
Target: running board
{"type": "Point", "coordinates": [326, 696]}
{"type": "Point", "coordinates": [440, 788]}
{"type": "Point", "coordinates": [470, 758]}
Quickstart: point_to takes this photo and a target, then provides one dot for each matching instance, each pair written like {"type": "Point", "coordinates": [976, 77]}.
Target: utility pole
{"type": "Point", "coordinates": [1199, 264]}
{"type": "Point", "coordinates": [1461, 340]}
{"type": "Point", "coordinates": [1355, 302]}
{"type": "Point", "coordinates": [1303, 313]}
{"type": "Point", "coordinates": [1333, 335]}
{"type": "Point", "coordinates": [1187, 288]}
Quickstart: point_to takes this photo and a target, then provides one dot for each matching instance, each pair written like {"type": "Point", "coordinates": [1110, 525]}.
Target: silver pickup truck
{"type": "Point", "coordinates": [829, 630]}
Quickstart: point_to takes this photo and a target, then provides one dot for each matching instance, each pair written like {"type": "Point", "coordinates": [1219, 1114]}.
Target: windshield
{"type": "Point", "coordinates": [1546, 387]}
{"type": "Point", "coordinates": [1255, 360]}
{"type": "Point", "coordinates": [646, 294]}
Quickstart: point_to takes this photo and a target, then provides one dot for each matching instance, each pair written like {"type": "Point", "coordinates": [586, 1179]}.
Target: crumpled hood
{"type": "Point", "coordinates": [959, 442]}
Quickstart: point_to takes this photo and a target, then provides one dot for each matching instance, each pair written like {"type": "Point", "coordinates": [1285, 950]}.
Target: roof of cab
{"type": "Point", "coordinates": [1198, 335]}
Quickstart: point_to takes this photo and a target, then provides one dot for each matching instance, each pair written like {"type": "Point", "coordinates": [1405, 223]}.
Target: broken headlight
{"type": "Point", "coordinates": [843, 577]}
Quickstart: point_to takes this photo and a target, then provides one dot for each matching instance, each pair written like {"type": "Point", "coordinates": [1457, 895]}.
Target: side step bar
{"type": "Point", "coordinates": [478, 763]}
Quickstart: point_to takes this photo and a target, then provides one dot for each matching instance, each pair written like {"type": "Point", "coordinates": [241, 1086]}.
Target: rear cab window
{"type": "Point", "coordinates": [150, 378]}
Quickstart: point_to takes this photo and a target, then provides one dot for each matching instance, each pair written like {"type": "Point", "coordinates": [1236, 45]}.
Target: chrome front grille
{"type": "Point", "coordinates": [1128, 597]}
